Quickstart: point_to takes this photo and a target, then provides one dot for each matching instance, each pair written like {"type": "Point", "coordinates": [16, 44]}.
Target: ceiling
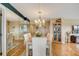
{"type": "Point", "coordinates": [11, 16]}
{"type": "Point", "coordinates": [49, 10]}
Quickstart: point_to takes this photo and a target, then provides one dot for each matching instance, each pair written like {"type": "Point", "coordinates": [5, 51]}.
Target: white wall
{"type": "Point", "coordinates": [67, 27]}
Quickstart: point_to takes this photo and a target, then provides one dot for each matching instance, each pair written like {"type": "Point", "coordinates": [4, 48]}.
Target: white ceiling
{"type": "Point", "coordinates": [49, 10]}
{"type": "Point", "coordinates": [11, 16]}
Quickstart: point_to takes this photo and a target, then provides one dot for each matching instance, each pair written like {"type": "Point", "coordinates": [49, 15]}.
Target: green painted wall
{"type": "Point", "coordinates": [0, 24]}
{"type": "Point", "coordinates": [0, 34]}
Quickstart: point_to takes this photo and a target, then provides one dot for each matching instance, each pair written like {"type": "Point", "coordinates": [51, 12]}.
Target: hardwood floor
{"type": "Point", "coordinates": [68, 49]}
{"type": "Point", "coordinates": [58, 49]}
{"type": "Point", "coordinates": [18, 50]}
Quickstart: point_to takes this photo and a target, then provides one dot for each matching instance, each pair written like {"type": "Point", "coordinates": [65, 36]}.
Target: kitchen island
{"type": "Point", "coordinates": [38, 47]}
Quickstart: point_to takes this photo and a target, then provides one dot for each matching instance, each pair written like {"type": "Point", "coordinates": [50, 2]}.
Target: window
{"type": "Point", "coordinates": [76, 29]}
{"type": "Point", "coordinates": [23, 28]}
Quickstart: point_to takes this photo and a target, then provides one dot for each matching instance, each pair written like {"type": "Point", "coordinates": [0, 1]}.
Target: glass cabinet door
{"type": "Point", "coordinates": [57, 32]}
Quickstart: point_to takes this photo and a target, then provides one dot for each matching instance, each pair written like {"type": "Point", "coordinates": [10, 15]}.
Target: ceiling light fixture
{"type": "Point", "coordinates": [40, 21]}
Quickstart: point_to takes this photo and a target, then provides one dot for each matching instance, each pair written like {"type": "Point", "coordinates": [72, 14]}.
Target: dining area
{"type": "Point", "coordinates": [37, 41]}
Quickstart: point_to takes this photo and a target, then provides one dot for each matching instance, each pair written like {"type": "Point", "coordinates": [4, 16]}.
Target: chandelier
{"type": "Point", "coordinates": [40, 21]}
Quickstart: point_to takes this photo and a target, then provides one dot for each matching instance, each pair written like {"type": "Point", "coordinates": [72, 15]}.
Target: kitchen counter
{"type": "Point", "coordinates": [74, 34]}
{"type": "Point", "coordinates": [38, 47]}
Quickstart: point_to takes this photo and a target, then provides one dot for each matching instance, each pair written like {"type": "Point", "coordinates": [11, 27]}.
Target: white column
{"type": "Point", "coordinates": [51, 35]}
{"type": "Point", "coordinates": [3, 31]}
